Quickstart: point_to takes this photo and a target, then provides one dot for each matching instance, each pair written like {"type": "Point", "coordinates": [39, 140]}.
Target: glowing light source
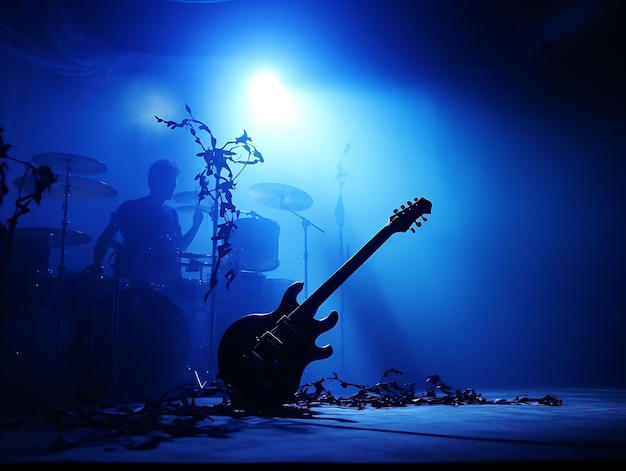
{"type": "Point", "coordinates": [268, 98]}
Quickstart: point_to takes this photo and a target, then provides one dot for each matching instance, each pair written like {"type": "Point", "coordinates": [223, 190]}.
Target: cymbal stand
{"type": "Point", "coordinates": [64, 224]}
{"type": "Point", "coordinates": [305, 226]}
{"type": "Point", "coordinates": [115, 320]}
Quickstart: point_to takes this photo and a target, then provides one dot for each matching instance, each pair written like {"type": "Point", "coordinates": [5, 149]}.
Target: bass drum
{"type": "Point", "coordinates": [255, 244]}
{"type": "Point", "coordinates": [152, 341]}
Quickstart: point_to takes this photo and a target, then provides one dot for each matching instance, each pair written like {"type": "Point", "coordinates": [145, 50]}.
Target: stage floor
{"type": "Point", "coordinates": [589, 425]}
{"type": "Point", "coordinates": [42, 422]}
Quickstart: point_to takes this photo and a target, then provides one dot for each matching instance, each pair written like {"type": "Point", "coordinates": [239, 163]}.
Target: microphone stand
{"type": "Point", "coordinates": [305, 226]}
{"type": "Point", "coordinates": [212, 366]}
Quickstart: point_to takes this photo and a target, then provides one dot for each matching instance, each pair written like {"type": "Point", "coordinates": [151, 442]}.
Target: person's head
{"type": "Point", "coordinates": [162, 177]}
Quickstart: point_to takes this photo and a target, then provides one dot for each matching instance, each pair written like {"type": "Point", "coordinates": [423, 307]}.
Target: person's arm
{"type": "Point", "coordinates": [102, 244]}
{"type": "Point", "coordinates": [187, 238]}
{"type": "Point", "coordinates": [101, 247]}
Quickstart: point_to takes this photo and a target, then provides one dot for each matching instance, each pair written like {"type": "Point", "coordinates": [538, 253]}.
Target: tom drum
{"type": "Point", "coordinates": [255, 244]}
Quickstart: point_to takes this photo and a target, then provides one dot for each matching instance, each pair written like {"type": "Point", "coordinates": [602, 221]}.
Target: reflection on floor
{"type": "Point", "coordinates": [192, 426]}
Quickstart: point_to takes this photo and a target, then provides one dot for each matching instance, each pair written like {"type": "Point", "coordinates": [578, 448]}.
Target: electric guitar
{"type": "Point", "coordinates": [261, 357]}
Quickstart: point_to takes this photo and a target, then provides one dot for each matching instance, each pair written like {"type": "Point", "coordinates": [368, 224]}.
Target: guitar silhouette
{"type": "Point", "coordinates": [261, 357]}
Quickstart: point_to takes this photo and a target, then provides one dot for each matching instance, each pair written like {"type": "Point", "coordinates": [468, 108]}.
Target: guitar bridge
{"type": "Point", "coordinates": [254, 358]}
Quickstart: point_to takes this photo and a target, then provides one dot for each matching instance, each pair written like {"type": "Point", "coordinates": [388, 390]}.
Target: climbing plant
{"type": "Point", "coordinates": [218, 181]}
{"type": "Point", "coordinates": [42, 177]}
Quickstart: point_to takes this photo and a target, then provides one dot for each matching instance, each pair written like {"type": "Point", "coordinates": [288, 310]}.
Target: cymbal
{"type": "Point", "coordinates": [78, 188]}
{"type": "Point", "coordinates": [191, 208]}
{"type": "Point", "coordinates": [186, 197]}
{"type": "Point", "coordinates": [54, 235]}
{"type": "Point", "coordinates": [277, 195]}
{"type": "Point", "coordinates": [70, 163]}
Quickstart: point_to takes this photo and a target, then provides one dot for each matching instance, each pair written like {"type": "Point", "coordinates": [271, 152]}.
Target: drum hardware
{"type": "Point", "coordinates": [194, 263]}
{"type": "Point", "coordinates": [194, 256]}
{"type": "Point", "coordinates": [289, 198]}
{"type": "Point", "coordinates": [29, 289]}
{"type": "Point", "coordinates": [76, 187]}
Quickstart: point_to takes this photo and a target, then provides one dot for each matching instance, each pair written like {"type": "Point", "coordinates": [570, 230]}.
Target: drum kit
{"type": "Point", "coordinates": [291, 199]}
{"type": "Point", "coordinates": [255, 240]}
{"type": "Point", "coordinates": [255, 252]}
{"type": "Point", "coordinates": [28, 261]}
{"type": "Point", "coordinates": [69, 186]}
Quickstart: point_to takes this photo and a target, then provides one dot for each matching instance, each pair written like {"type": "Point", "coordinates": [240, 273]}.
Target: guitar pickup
{"type": "Point", "coordinates": [272, 339]}
{"type": "Point", "coordinates": [285, 321]}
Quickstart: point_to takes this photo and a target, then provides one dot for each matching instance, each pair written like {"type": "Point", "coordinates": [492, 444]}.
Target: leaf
{"type": "Point", "coordinates": [230, 277]}
{"type": "Point", "coordinates": [4, 148]}
{"type": "Point", "coordinates": [217, 165]}
{"type": "Point", "coordinates": [243, 138]}
{"type": "Point", "coordinates": [46, 175]}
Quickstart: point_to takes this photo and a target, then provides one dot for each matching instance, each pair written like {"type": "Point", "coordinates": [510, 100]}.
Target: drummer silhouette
{"type": "Point", "coordinates": [150, 230]}
{"type": "Point", "coordinates": [134, 337]}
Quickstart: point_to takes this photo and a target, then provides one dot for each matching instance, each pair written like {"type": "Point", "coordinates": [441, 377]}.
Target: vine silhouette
{"type": "Point", "coordinates": [218, 182]}
{"type": "Point", "coordinates": [42, 177]}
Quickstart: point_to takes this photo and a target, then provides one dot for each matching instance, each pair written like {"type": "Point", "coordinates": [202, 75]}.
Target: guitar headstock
{"type": "Point", "coordinates": [403, 218]}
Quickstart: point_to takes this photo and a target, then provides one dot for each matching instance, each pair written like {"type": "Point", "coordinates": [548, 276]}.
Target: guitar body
{"type": "Point", "coordinates": [262, 356]}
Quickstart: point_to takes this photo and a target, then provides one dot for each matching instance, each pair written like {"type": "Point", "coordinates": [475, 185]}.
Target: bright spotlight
{"type": "Point", "coordinates": [268, 97]}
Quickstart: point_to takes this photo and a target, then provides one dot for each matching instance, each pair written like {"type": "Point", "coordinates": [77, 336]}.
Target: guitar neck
{"type": "Point", "coordinates": [344, 272]}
